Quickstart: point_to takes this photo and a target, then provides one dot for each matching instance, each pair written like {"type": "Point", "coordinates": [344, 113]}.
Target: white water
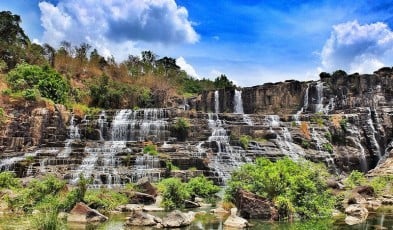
{"type": "Point", "coordinates": [101, 123]}
{"type": "Point", "coordinates": [238, 107]}
{"type": "Point", "coordinates": [146, 166]}
{"type": "Point", "coordinates": [319, 141]}
{"type": "Point", "coordinates": [319, 99]}
{"type": "Point", "coordinates": [140, 125]}
{"type": "Point", "coordinates": [304, 107]}
{"type": "Point", "coordinates": [374, 141]}
{"type": "Point", "coordinates": [73, 135]}
{"type": "Point", "coordinates": [216, 102]}
{"type": "Point", "coordinates": [273, 121]}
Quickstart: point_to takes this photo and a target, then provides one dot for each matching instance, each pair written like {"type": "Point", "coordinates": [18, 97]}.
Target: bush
{"type": "Point", "coordinates": [202, 187]}
{"type": "Point", "coordinates": [244, 141]}
{"type": "Point", "coordinates": [105, 199]}
{"type": "Point", "coordinates": [327, 147]}
{"type": "Point", "coordinates": [173, 193]}
{"type": "Point", "coordinates": [48, 221]}
{"type": "Point", "coordinates": [181, 128]}
{"type": "Point", "coordinates": [354, 179]}
{"type": "Point", "coordinates": [151, 150]}
{"type": "Point", "coordinates": [8, 180]}
{"type": "Point", "coordinates": [29, 78]}
{"type": "Point", "coordinates": [296, 187]}
{"type": "Point", "coordinates": [382, 184]}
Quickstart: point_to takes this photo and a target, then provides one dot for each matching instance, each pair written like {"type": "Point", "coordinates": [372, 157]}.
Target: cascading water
{"type": "Point", "coordinates": [238, 107]}
{"type": "Point", "coordinates": [319, 99]}
{"type": "Point", "coordinates": [73, 135]}
{"type": "Point", "coordinates": [216, 102]}
{"type": "Point", "coordinates": [319, 142]}
{"type": "Point", "coordinates": [373, 139]}
{"type": "Point", "coordinates": [101, 121]}
{"type": "Point", "coordinates": [303, 108]}
{"type": "Point", "coordinates": [146, 166]}
{"type": "Point", "coordinates": [140, 125]}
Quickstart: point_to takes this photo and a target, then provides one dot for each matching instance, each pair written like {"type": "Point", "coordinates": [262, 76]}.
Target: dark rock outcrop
{"type": "Point", "coordinates": [252, 206]}
{"type": "Point", "coordinates": [82, 213]}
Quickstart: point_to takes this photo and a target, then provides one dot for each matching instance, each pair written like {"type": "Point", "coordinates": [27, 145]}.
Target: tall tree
{"type": "Point", "coordinates": [13, 39]}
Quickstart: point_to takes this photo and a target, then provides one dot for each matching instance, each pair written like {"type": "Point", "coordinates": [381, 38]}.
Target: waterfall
{"type": "Point", "coordinates": [146, 166]}
{"type": "Point", "coordinates": [101, 121]}
{"type": "Point", "coordinates": [319, 99]}
{"type": "Point", "coordinates": [304, 107]}
{"type": "Point", "coordinates": [216, 102]}
{"type": "Point", "coordinates": [238, 103]}
{"type": "Point", "coordinates": [226, 159]}
{"type": "Point", "coordinates": [319, 142]}
{"type": "Point", "coordinates": [373, 139]}
{"type": "Point", "coordinates": [74, 130]}
{"type": "Point", "coordinates": [140, 125]}
{"type": "Point", "coordinates": [238, 107]}
{"type": "Point", "coordinates": [273, 121]}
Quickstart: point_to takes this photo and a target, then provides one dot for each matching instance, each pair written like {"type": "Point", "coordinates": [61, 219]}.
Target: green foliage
{"type": "Point", "coordinates": [244, 141]}
{"type": "Point", "coordinates": [327, 147]}
{"type": "Point", "coordinates": [173, 193]}
{"type": "Point", "coordinates": [382, 184]}
{"type": "Point", "coordinates": [181, 129]}
{"type": "Point", "coordinates": [317, 118]}
{"type": "Point", "coordinates": [105, 199]}
{"type": "Point", "coordinates": [33, 80]}
{"type": "Point", "coordinates": [48, 221]}
{"type": "Point", "coordinates": [354, 179]}
{"type": "Point", "coordinates": [8, 180]}
{"type": "Point", "coordinates": [344, 124]}
{"type": "Point", "coordinates": [170, 166]}
{"type": "Point", "coordinates": [150, 149]}
{"type": "Point", "coordinates": [296, 187]}
{"type": "Point", "coordinates": [202, 187]}
{"type": "Point", "coordinates": [39, 194]}
{"type": "Point", "coordinates": [305, 144]}
{"type": "Point", "coordinates": [328, 136]}
{"type": "Point", "coordinates": [223, 82]}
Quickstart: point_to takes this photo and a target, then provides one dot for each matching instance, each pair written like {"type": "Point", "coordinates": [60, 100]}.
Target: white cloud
{"type": "Point", "coordinates": [358, 48]}
{"type": "Point", "coordinates": [182, 63]}
{"type": "Point", "coordinates": [113, 25]}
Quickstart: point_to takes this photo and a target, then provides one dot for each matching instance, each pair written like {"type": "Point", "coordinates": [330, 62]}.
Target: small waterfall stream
{"type": "Point", "coordinates": [238, 107]}
{"type": "Point", "coordinates": [373, 139]}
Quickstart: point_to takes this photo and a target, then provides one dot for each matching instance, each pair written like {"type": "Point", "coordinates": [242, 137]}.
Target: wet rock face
{"type": "Point", "coordinates": [252, 206]}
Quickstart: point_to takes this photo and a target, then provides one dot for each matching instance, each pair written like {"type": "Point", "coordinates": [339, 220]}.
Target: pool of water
{"type": "Point", "coordinates": [383, 219]}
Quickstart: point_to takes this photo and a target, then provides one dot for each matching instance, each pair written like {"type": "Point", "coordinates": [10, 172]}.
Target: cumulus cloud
{"type": "Point", "coordinates": [182, 63]}
{"type": "Point", "coordinates": [106, 23]}
{"type": "Point", "coordinates": [358, 48]}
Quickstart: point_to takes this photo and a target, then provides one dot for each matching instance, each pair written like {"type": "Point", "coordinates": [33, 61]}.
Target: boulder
{"type": "Point", "coordinates": [139, 218]}
{"type": "Point", "coordinates": [365, 191]}
{"type": "Point", "coordinates": [177, 219]}
{"type": "Point", "coordinates": [142, 198]}
{"type": "Point", "coordinates": [387, 200]}
{"type": "Point", "coordinates": [356, 214]}
{"type": "Point", "coordinates": [252, 206]}
{"type": "Point", "coordinates": [82, 213]}
{"type": "Point", "coordinates": [234, 221]}
{"type": "Point", "coordinates": [373, 204]}
{"type": "Point", "coordinates": [191, 204]}
{"type": "Point", "coordinates": [145, 186]}
{"type": "Point", "coordinates": [128, 208]}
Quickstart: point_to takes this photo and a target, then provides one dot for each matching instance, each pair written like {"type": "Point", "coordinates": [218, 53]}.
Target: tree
{"type": "Point", "coordinates": [50, 53]}
{"type": "Point", "coordinates": [50, 83]}
{"type": "Point", "coordinates": [173, 193]}
{"type": "Point", "coordinates": [168, 64]}
{"type": "Point", "coordinates": [81, 52]}
{"type": "Point", "coordinates": [223, 82]}
{"type": "Point", "coordinates": [13, 39]}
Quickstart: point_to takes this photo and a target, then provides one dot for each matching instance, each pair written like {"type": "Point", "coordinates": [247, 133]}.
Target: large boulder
{"type": "Point", "coordinates": [145, 186]}
{"type": "Point", "coordinates": [356, 214]}
{"type": "Point", "coordinates": [139, 218]}
{"type": "Point", "coordinates": [142, 198]}
{"type": "Point", "coordinates": [178, 219]}
{"type": "Point", "coordinates": [234, 221]}
{"type": "Point", "coordinates": [82, 213]}
{"type": "Point", "coordinates": [252, 206]}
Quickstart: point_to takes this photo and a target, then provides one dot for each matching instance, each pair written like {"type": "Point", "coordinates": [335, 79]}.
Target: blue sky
{"type": "Point", "coordinates": [252, 42]}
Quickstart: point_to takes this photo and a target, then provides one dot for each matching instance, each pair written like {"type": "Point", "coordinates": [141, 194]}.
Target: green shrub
{"type": "Point", "coordinates": [170, 166]}
{"type": "Point", "coordinates": [181, 129]}
{"type": "Point", "coordinates": [354, 179]}
{"type": "Point", "coordinates": [305, 144]}
{"type": "Point", "coordinates": [8, 180]}
{"type": "Point", "coordinates": [48, 221]}
{"type": "Point", "coordinates": [29, 78]}
{"type": "Point", "coordinates": [105, 199]}
{"type": "Point", "coordinates": [150, 149]}
{"type": "Point", "coordinates": [296, 187]}
{"type": "Point", "coordinates": [327, 147]}
{"type": "Point", "coordinates": [244, 141]}
{"type": "Point", "coordinates": [202, 187]}
{"type": "Point", "coordinates": [382, 184]}
{"type": "Point", "coordinates": [173, 193]}
{"type": "Point", "coordinates": [344, 124]}
{"type": "Point", "coordinates": [328, 136]}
